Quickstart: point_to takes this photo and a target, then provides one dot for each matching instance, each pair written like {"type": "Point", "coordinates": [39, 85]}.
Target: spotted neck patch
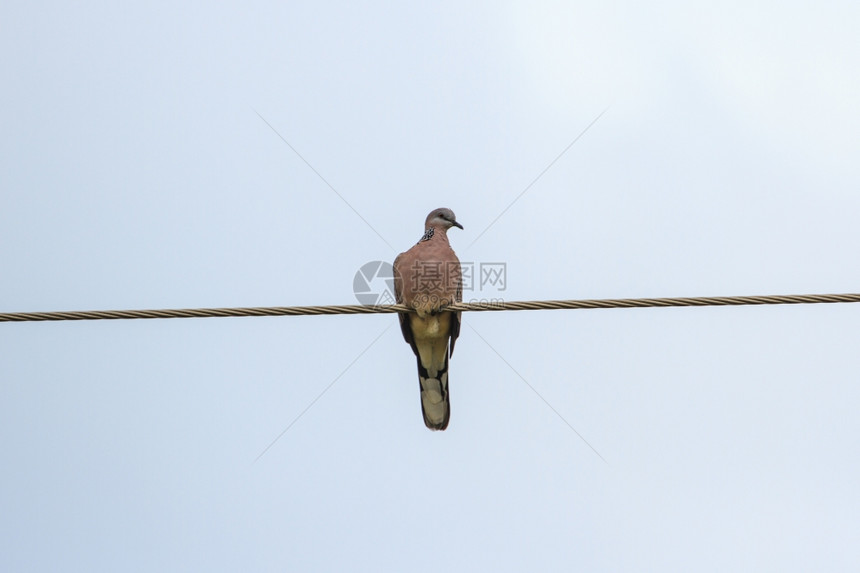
{"type": "Point", "coordinates": [428, 234]}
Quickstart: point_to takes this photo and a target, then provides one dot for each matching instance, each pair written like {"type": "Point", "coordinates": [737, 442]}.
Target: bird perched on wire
{"type": "Point", "coordinates": [427, 278]}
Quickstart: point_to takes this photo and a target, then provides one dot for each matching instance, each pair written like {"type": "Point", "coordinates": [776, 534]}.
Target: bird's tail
{"type": "Point", "coordinates": [434, 394]}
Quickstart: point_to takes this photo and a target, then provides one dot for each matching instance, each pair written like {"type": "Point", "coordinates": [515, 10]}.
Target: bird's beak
{"type": "Point", "coordinates": [456, 224]}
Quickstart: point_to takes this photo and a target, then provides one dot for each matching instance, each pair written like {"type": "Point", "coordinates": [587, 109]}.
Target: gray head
{"type": "Point", "coordinates": [442, 218]}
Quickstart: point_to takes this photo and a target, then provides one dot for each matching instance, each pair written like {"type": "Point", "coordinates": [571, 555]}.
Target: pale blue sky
{"type": "Point", "coordinates": [136, 173]}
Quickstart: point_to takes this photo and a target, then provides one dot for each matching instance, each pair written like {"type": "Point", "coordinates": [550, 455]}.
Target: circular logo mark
{"type": "Point", "coordinates": [374, 284]}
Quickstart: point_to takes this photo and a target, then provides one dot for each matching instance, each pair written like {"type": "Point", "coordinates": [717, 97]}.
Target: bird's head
{"type": "Point", "coordinates": [442, 218]}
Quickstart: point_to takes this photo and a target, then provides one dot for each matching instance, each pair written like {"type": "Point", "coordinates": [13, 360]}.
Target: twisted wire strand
{"type": "Point", "coordinates": [462, 306]}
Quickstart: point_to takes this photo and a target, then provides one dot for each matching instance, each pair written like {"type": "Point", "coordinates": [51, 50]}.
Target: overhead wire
{"type": "Point", "coordinates": [479, 306]}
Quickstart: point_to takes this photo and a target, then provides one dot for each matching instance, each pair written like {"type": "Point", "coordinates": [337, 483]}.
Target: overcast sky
{"type": "Point", "coordinates": [143, 164]}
